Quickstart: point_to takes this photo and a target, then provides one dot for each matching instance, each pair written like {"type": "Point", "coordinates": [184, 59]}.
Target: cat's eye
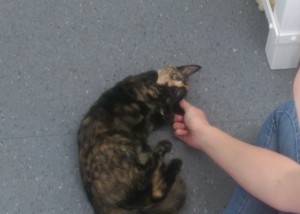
{"type": "Point", "coordinates": [149, 82]}
{"type": "Point", "coordinates": [175, 77]}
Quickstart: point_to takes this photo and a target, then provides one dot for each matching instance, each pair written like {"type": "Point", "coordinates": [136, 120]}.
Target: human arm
{"type": "Point", "coordinates": [297, 92]}
{"type": "Point", "coordinates": [271, 177]}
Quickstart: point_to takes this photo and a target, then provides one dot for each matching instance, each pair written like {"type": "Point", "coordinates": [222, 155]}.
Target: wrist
{"type": "Point", "coordinates": [204, 135]}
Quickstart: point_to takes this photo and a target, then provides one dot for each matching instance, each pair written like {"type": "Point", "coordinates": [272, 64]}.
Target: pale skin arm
{"type": "Point", "coordinates": [297, 92]}
{"type": "Point", "coordinates": [269, 176]}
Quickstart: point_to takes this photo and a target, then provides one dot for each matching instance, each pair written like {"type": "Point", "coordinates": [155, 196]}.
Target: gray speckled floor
{"type": "Point", "coordinates": [56, 57]}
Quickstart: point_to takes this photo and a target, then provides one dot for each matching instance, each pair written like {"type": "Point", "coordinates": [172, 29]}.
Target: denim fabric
{"type": "Point", "coordinates": [280, 133]}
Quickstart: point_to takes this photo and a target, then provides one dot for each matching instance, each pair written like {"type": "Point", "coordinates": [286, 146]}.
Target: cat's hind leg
{"type": "Point", "coordinates": [164, 175]}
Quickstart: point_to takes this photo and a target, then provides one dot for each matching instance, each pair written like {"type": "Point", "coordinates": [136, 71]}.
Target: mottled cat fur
{"type": "Point", "coordinates": [261, 6]}
{"type": "Point", "coordinates": [121, 173]}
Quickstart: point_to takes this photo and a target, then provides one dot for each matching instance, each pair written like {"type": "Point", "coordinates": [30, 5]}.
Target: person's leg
{"type": "Point", "coordinates": [280, 133]}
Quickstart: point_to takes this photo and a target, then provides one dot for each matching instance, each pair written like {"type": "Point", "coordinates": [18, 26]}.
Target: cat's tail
{"type": "Point", "coordinates": [171, 203]}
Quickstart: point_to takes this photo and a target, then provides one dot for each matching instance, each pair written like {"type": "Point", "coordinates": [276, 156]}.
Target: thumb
{"type": "Point", "coordinates": [185, 105]}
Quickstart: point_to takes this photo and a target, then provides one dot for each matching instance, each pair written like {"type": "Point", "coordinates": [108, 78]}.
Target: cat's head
{"type": "Point", "coordinates": [176, 78]}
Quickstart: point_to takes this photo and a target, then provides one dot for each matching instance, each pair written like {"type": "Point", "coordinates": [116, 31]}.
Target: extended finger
{"type": "Point", "coordinates": [185, 105]}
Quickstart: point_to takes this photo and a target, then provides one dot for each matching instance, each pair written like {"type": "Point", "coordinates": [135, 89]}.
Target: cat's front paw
{"type": "Point", "coordinates": [163, 147]}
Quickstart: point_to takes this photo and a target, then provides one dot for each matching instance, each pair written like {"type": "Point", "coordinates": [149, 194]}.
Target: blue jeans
{"type": "Point", "coordinates": [280, 133]}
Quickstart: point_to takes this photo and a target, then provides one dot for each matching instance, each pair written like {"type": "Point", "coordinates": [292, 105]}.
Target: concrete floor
{"type": "Point", "coordinates": [57, 56]}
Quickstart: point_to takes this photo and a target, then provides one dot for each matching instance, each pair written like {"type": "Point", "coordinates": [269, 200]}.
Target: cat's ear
{"type": "Point", "coordinates": [189, 69]}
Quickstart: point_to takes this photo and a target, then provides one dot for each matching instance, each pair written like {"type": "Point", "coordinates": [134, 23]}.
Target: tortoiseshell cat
{"type": "Point", "coordinates": [120, 172]}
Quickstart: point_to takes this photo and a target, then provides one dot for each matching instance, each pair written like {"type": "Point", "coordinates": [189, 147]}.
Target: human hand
{"type": "Point", "coordinates": [190, 127]}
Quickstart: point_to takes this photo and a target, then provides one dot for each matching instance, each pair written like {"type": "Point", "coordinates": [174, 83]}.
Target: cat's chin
{"type": "Point", "coordinates": [180, 93]}
{"type": "Point", "coordinates": [177, 93]}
